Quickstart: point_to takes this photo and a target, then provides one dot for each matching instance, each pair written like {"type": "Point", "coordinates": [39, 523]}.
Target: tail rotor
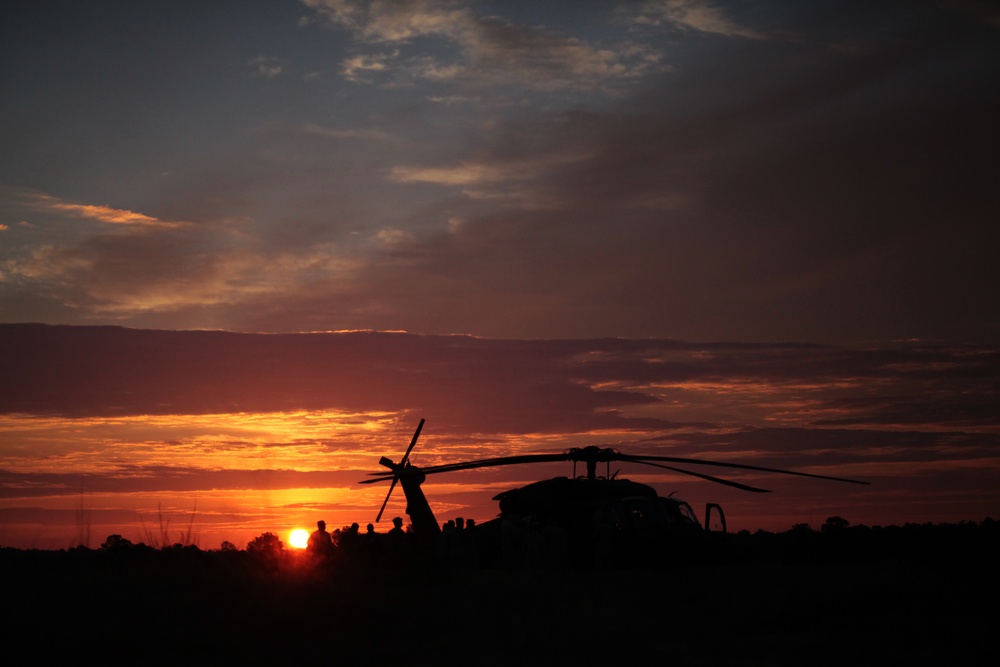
{"type": "Point", "coordinates": [397, 468]}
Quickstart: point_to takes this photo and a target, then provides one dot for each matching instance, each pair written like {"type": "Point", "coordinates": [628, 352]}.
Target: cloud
{"type": "Point", "coordinates": [381, 21]}
{"type": "Point", "coordinates": [748, 183]}
{"type": "Point", "coordinates": [344, 133]}
{"type": "Point", "coordinates": [466, 174]}
{"type": "Point", "coordinates": [496, 385]}
{"type": "Point", "coordinates": [391, 236]}
{"type": "Point", "coordinates": [105, 214]}
{"type": "Point", "coordinates": [488, 51]}
{"type": "Point", "coordinates": [699, 15]}
{"type": "Point", "coordinates": [134, 263]}
{"type": "Point", "coordinates": [111, 215]}
{"type": "Point", "coordinates": [267, 67]}
{"type": "Point", "coordinates": [47, 263]}
{"type": "Point", "coordinates": [512, 177]}
{"type": "Point", "coordinates": [151, 479]}
{"type": "Point", "coordinates": [727, 198]}
{"type": "Point", "coordinates": [150, 275]}
{"type": "Point", "coordinates": [356, 67]}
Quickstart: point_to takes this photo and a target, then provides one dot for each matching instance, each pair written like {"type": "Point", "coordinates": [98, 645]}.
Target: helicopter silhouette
{"type": "Point", "coordinates": [588, 516]}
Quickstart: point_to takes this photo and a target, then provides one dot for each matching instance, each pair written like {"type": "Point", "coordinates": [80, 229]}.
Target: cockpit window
{"type": "Point", "coordinates": [647, 512]}
{"type": "Point", "coordinates": [643, 511]}
{"type": "Point", "coordinates": [687, 512]}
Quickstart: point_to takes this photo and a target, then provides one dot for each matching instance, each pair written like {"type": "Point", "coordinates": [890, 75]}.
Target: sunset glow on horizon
{"type": "Point", "coordinates": [101, 438]}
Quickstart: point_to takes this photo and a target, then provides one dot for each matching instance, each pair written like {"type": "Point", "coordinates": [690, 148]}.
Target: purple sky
{"type": "Point", "coordinates": [809, 171]}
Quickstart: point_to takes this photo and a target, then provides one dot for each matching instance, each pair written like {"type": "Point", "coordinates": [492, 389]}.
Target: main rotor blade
{"type": "Point", "coordinates": [717, 480]}
{"type": "Point", "coordinates": [740, 466]}
{"type": "Point", "coordinates": [386, 501]}
{"type": "Point", "coordinates": [500, 461]}
{"type": "Point", "coordinates": [413, 442]}
{"type": "Point", "coordinates": [481, 463]}
{"type": "Point", "coordinates": [612, 455]}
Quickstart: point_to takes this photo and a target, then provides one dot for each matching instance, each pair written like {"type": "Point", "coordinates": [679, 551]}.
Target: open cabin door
{"type": "Point", "coordinates": [720, 525]}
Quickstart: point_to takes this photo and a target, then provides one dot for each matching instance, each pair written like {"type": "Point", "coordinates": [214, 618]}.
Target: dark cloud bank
{"type": "Point", "coordinates": [471, 385]}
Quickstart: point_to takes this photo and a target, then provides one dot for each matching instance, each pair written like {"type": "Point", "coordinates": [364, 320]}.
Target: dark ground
{"type": "Point", "coordinates": [917, 595]}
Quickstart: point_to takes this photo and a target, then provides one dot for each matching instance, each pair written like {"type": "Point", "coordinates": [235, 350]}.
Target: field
{"type": "Point", "coordinates": [921, 595]}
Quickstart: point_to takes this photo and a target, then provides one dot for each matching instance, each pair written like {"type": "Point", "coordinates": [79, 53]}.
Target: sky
{"type": "Point", "coordinates": [796, 203]}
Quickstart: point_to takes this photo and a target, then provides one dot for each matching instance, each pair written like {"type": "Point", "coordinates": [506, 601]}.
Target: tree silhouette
{"type": "Point", "coordinates": [834, 523]}
{"type": "Point", "coordinates": [266, 544]}
{"type": "Point", "coordinates": [115, 541]}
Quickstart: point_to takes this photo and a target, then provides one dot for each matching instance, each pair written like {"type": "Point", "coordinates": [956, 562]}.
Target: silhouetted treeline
{"type": "Point", "coordinates": [836, 541]}
{"type": "Point", "coordinates": [838, 594]}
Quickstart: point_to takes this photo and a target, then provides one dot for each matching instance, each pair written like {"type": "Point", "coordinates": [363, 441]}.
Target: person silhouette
{"type": "Point", "coordinates": [320, 542]}
{"type": "Point", "coordinates": [396, 541]}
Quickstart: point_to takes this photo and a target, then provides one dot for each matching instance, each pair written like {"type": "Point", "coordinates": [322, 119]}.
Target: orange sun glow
{"type": "Point", "coordinates": [299, 538]}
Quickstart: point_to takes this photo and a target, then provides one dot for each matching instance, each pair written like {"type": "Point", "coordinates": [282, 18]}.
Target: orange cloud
{"type": "Point", "coordinates": [113, 216]}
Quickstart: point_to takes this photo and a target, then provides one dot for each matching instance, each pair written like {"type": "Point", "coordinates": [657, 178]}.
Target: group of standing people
{"type": "Point", "coordinates": [353, 548]}
{"type": "Point", "coordinates": [350, 544]}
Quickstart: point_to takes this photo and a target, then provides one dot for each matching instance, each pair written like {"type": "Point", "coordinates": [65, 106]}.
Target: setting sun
{"type": "Point", "coordinates": [299, 538]}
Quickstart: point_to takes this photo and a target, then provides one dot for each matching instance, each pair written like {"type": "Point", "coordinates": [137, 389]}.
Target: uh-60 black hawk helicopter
{"type": "Point", "coordinates": [580, 520]}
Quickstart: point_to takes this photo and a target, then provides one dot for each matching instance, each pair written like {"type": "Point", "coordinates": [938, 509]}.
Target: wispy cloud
{"type": "Point", "coordinates": [465, 174]}
{"type": "Point", "coordinates": [699, 15]}
{"type": "Point", "coordinates": [145, 282]}
{"type": "Point", "coordinates": [496, 169]}
{"type": "Point", "coordinates": [131, 263]}
{"type": "Point", "coordinates": [391, 236]}
{"type": "Point", "coordinates": [111, 215]}
{"type": "Point", "coordinates": [106, 214]}
{"type": "Point", "coordinates": [357, 68]}
{"type": "Point", "coordinates": [267, 67]}
{"type": "Point", "coordinates": [488, 50]}
{"type": "Point", "coordinates": [346, 133]}
{"type": "Point", "coordinates": [56, 265]}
